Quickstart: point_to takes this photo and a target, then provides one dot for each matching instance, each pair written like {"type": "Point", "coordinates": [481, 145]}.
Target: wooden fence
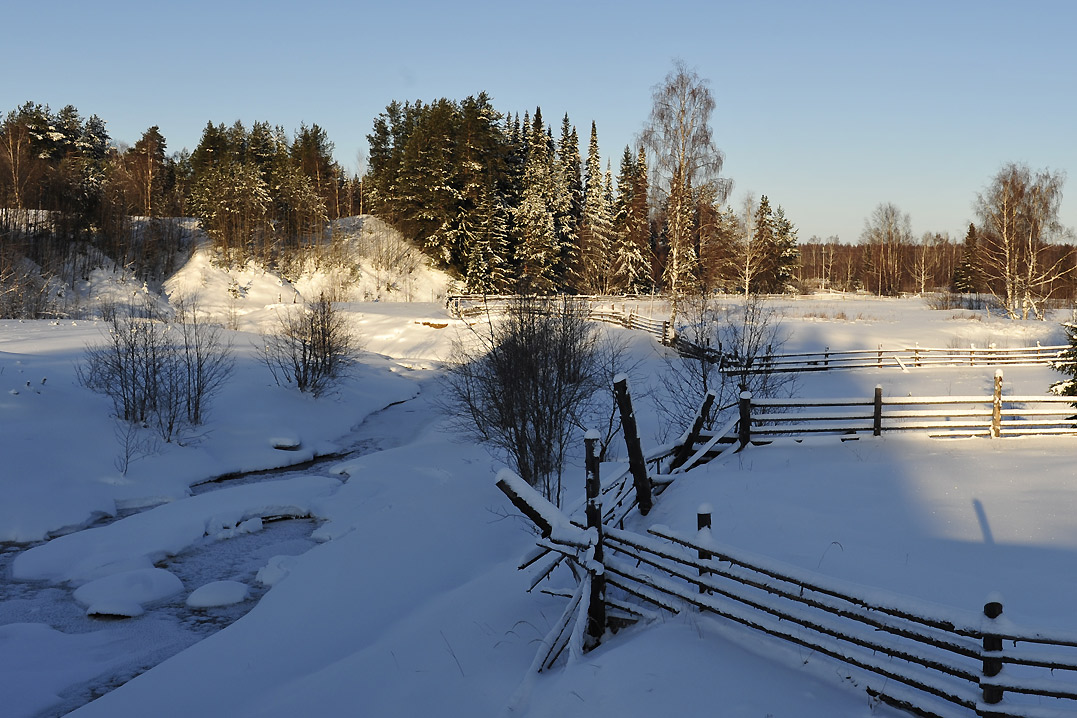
{"type": "Point", "coordinates": [930, 660]}
{"type": "Point", "coordinates": [905, 359]}
{"type": "Point", "coordinates": [604, 310]}
{"type": "Point", "coordinates": [927, 659]}
{"type": "Point", "coordinates": [933, 661]}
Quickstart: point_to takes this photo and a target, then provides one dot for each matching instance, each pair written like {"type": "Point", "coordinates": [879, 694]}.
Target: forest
{"type": "Point", "coordinates": [504, 204]}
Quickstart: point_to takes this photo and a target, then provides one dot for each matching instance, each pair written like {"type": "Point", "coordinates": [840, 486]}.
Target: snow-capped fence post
{"type": "Point", "coordinates": [916, 354]}
{"type": "Point", "coordinates": [880, 361]}
{"type": "Point", "coordinates": [596, 609]}
{"type": "Point", "coordinates": [637, 464]}
{"type": "Point", "coordinates": [744, 426]}
{"type": "Point", "coordinates": [877, 415]}
{"type": "Point", "coordinates": [996, 406]}
{"type": "Point", "coordinates": [992, 654]}
{"type": "Point", "coordinates": [692, 437]}
{"type": "Point", "coordinates": [703, 524]}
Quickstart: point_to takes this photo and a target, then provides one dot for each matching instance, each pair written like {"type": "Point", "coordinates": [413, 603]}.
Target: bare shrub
{"type": "Point", "coordinates": [310, 348]}
{"type": "Point", "coordinates": [733, 342]}
{"type": "Point", "coordinates": [158, 373]}
{"type": "Point", "coordinates": [523, 383]}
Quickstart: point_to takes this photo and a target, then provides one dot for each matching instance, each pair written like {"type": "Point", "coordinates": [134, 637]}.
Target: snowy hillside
{"type": "Point", "coordinates": [394, 589]}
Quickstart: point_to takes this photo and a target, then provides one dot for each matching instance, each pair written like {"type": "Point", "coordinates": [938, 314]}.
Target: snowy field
{"type": "Point", "coordinates": [382, 580]}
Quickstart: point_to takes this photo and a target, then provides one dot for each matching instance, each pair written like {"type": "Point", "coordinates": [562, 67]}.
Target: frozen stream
{"type": "Point", "coordinates": [124, 648]}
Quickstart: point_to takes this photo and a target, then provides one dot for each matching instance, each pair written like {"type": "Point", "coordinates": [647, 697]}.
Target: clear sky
{"type": "Point", "coordinates": [829, 108]}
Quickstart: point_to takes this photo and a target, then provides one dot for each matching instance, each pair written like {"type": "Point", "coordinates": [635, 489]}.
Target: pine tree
{"type": "Point", "coordinates": [785, 255]}
{"type": "Point", "coordinates": [629, 257]}
{"type": "Point", "coordinates": [569, 206]}
{"type": "Point", "coordinates": [596, 224]}
{"type": "Point", "coordinates": [487, 262]}
{"type": "Point", "coordinates": [535, 253]}
{"type": "Point", "coordinates": [968, 276]}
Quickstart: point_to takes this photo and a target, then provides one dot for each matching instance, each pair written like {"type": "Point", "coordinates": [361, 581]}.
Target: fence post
{"type": "Point", "coordinates": [596, 609]}
{"type": "Point", "coordinates": [916, 354]}
{"type": "Point", "coordinates": [880, 356]}
{"type": "Point", "coordinates": [826, 357]}
{"type": "Point", "coordinates": [992, 649]}
{"type": "Point", "coordinates": [744, 426]}
{"type": "Point", "coordinates": [877, 416]}
{"type": "Point", "coordinates": [996, 406]}
{"type": "Point", "coordinates": [693, 434]}
{"type": "Point", "coordinates": [636, 463]}
{"type": "Point", "coordinates": [972, 354]}
{"type": "Point", "coordinates": [703, 523]}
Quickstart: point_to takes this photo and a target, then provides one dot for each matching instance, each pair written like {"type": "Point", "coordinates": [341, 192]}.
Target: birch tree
{"type": "Point", "coordinates": [1018, 218]}
{"type": "Point", "coordinates": [686, 159]}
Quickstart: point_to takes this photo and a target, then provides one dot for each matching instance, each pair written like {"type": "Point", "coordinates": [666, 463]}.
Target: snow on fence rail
{"type": "Point", "coordinates": [906, 358]}
{"type": "Point", "coordinates": [995, 415]}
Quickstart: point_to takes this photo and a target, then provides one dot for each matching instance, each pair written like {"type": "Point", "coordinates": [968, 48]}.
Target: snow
{"type": "Point", "coordinates": [407, 600]}
{"type": "Point", "coordinates": [126, 592]}
{"type": "Point", "coordinates": [218, 593]}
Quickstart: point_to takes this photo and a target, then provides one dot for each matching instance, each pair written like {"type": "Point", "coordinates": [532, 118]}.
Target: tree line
{"type": "Point", "coordinates": [509, 207]}
{"type": "Point", "coordinates": [72, 200]}
{"type": "Point", "coordinates": [1018, 253]}
{"type": "Point", "coordinates": [497, 200]}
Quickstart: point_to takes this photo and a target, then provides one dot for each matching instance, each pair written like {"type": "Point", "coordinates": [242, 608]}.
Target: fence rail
{"type": "Point", "coordinates": [604, 310]}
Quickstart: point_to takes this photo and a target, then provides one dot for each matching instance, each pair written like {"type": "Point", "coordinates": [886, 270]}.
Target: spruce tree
{"type": "Point", "coordinates": [786, 256]}
{"type": "Point", "coordinates": [629, 259]}
{"type": "Point", "coordinates": [535, 252]}
{"type": "Point", "coordinates": [569, 206]}
{"type": "Point", "coordinates": [596, 224]}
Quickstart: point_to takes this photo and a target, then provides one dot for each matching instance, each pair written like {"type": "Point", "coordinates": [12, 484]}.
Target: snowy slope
{"type": "Point", "coordinates": [410, 602]}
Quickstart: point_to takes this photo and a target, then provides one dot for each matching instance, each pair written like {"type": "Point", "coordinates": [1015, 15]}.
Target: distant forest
{"type": "Point", "coordinates": [503, 203]}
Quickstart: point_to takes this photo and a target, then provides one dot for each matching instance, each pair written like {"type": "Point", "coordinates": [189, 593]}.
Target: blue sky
{"type": "Point", "coordinates": [829, 108]}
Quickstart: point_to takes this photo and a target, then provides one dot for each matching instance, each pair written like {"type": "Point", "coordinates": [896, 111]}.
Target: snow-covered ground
{"type": "Point", "coordinates": [400, 594]}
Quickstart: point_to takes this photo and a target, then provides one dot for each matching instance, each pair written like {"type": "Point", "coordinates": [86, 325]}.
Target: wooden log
{"type": "Point", "coordinates": [637, 464]}
{"type": "Point", "coordinates": [996, 406]}
{"type": "Point", "coordinates": [877, 419]}
{"type": "Point", "coordinates": [744, 426]}
{"type": "Point", "coordinates": [992, 659]}
{"type": "Point", "coordinates": [685, 450]}
{"type": "Point", "coordinates": [703, 522]}
{"type": "Point", "coordinates": [596, 608]}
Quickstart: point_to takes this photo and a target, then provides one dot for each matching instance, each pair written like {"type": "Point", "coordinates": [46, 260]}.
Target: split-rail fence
{"type": "Point", "coordinates": [930, 660]}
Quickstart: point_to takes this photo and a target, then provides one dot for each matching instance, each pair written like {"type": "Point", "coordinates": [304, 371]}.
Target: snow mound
{"type": "Point", "coordinates": [286, 442]}
{"type": "Point", "coordinates": [218, 593]}
{"type": "Point", "coordinates": [123, 594]}
{"type": "Point", "coordinates": [275, 569]}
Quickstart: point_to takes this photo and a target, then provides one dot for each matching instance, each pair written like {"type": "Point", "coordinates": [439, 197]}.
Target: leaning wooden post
{"type": "Point", "coordinates": [693, 434]}
{"type": "Point", "coordinates": [703, 526]}
{"type": "Point", "coordinates": [996, 406]}
{"type": "Point", "coordinates": [636, 463]}
{"type": "Point", "coordinates": [877, 418]}
{"type": "Point", "coordinates": [744, 426]}
{"type": "Point", "coordinates": [596, 610]}
{"type": "Point", "coordinates": [992, 651]}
